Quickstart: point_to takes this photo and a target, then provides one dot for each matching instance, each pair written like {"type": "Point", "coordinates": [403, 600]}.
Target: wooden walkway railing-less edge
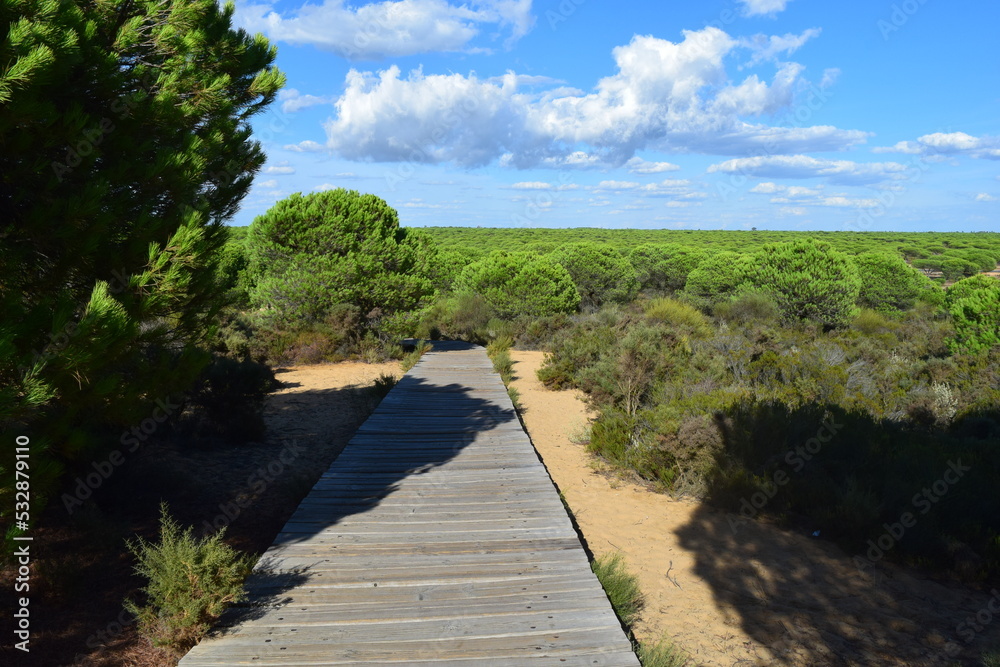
{"type": "Point", "coordinates": [435, 538]}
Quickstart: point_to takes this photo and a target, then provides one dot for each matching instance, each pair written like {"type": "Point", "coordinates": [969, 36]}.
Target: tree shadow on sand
{"type": "Point", "coordinates": [805, 600]}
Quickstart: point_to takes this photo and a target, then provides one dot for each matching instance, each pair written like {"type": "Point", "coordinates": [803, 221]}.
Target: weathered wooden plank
{"type": "Point", "coordinates": [436, 538]}
{"type": "Point", "coordinates": [517, 648]}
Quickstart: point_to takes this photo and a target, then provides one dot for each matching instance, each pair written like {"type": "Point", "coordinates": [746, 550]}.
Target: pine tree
{"type": "Point", "coordinates": [126, 143]}
{"type": "Point", "coordinates": [308, 253]}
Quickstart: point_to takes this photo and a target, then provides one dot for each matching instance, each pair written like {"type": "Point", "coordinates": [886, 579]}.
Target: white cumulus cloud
{"type": "Point", "coordinates": [639, 166]}
{"type": "Point", "coordinates": [940, 146]}
{"type": "Point", "coordinates": [388, 29]}
{"type": "Point", "coordinates": [803, 166]}
{"type": "Point", "coordinates": [307, 146]}
{"type": "Point", "coordinates": [985, 196]}
{"type": "Point", "coordinates": [664, 96]}
{"type": "Point", "coordinates": [763, 7]}
{"type": "Point", "coordinates": [292, 100]}
{"type": "Point", "coordinates": [765, 48]}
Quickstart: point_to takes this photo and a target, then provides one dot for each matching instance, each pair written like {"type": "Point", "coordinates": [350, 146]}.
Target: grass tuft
{"type": "Point", "coordinates": [621, 586]}
{"type": "Point", "coordinates": [383, 385]}
{"type": "Point", "coordinates": [664, 653]}
{"type": "Point", "coordinates": [410, 359]}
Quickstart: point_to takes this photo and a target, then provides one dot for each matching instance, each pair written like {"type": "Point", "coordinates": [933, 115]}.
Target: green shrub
{"type": "Point", "coordinates": [664, 267]}
{"type": "Point", "coordinates": [888, 282]}
{"type": "Point", "coordinates": [870, 322]}
{"type": "Point", "coordinates": [499, 344]}
{"type": "Point", "coordinates": [621, 586]}
{"type": "Point", "coordinates": [977, 322]}
{"type": "Point", "coordinates": [383, 385]}
{"type": "Point", "coordinates": [971, 286]}
{"type": "Point", "coordinates": [541, 331]}
{"type": "Point", "coordinates": [504, 365]}
{"type": "Point", "coordinates": [520, 284]}
{"type": "Point", "coordinates": [230, 397]}
{"type": "Point", "coordinates": [678, 314]}
{"type": "Point", "coordinates": [809, 280]}
{"type": "Point", "coordinates": [611, 435]}
{"type": "Point", "coordinates": [576, 347]}
{"type": "Point", "coordinates": [749, 307]}
{"type": "Point", "coordinates": [470, 314]}
{"type": "Point", "coordinates": [601, 273]}
{"type": "Point", "coordinates": [719, 275]}
{"type": "Point", "coordinates": [191, 582]}
{"type": "Point", "coordinates": [310, 252]}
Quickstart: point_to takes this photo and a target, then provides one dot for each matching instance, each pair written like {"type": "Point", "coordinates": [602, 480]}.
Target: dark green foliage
{"type": "Point", "coordinates": [977, 321]}
{"type": "Point", "coordinates": [383, 385]}
{"type": "Point", "coordinates": [664, 268]}
{"type": "Point", "coordinates": [411, 358]}
{"type": "Point", "coordinates": [520, 284]}
{"type": "Point", "coordinates": [311, 252]}
{"type": "Point", "coordinates": [710, 242]}
{"type": "Point", "coordinates": [888, 283]}
{"type": "Point", "coordinates": [719, 275]}
{"type": "Point", "coordinates": [126, 143]}
{"type": "Point", "coordinates": [190, 583]}
{"type": "Point", "coordinates": [718, 414]}
{"type": "Point", "coordinates": [230, 395]}
{"type": "Point", "coordinates": [601, 273]}
{"type": "Point", "coordinates": [446, 267]}
{"type": "Point", "coordinates": [809, 281]}
{"type": "Point", "coordinates": [261, 338]}
{"type": "Point", "coordinates": [971, 286]}
{"type": "Point", "coordinates": [233, 275]}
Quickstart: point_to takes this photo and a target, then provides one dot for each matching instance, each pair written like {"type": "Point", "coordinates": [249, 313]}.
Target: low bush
{"type": "Point", "coordinates": [383, 385]}
{"type": "Point", "coordinates": [748, 308]}
{"type": "Point", "coordinates": [191, 582]}
{"type": "Point", "coordinates": [678, 314]}
{"type": "Point", "coordinates": [228, 400]}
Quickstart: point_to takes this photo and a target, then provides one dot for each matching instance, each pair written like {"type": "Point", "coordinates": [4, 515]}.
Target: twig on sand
{"type": "Point", "coordinates": [673, 579]}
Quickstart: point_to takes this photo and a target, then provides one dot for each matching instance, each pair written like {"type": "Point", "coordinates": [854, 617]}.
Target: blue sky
{"type": "Point", "coordinates": [721, 114]}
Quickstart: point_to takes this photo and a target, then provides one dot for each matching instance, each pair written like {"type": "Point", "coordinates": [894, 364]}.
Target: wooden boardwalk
{"type": "Point", "coordinates": [436, 538]}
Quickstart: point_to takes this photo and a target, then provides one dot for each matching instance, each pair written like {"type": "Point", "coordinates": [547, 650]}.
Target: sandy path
{"type": "Point", "coordinates": [756, 596]}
